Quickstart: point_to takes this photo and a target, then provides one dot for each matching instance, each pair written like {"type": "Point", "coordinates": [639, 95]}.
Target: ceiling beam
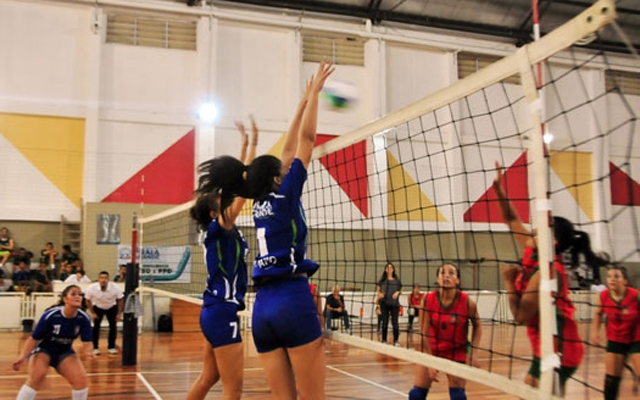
{"type": "Point", "coordinates": [519, 36]}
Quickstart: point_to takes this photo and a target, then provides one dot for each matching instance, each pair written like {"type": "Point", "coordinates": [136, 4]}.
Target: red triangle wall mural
{"type": "Point", "coordinates": [167, 179]}
{"type": "Point", "coordinates": [625, 190]}
{"type": "Point", "coordinates": [515, 183]}
{"type": "Point", "coordinates": [349, 168]}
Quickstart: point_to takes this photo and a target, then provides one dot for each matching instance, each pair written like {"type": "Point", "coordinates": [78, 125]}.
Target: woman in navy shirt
{"type": "Point", "coordinates": [50, 345]}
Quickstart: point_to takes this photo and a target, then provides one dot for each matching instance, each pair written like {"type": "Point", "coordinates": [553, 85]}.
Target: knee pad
{"type": "Point", "coordinates": [418, 393]}
{"type": "Point", "coordinates": [457, 393]}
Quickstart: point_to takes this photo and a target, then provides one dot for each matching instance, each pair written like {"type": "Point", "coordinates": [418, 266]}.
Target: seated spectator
{"type": "Point", "coordinates": [122, 272]}
{"type": "Point", "coordinates": [48, 255]}
{"type": "Point", "coordinates": [42, 279]}
{"type": "Point", "coordinates": [334, 308]}
{"type": "Point", "coordinates": [78, 277]}
{"type": "Point", "coordinates": [23, 255]}
{"type": "Point", "coordinates": [69, 258]}
{"type": "Point", "coordinates": [6, 285]}
{"type": "Point", "coordinates": [65, 272]}
{"type": "Point", "coordinates": [6, 245]}
{"type": "Point", "coordinates": [21, 277]}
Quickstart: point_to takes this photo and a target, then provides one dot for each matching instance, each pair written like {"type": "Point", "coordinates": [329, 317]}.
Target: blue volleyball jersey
{"type": "Point", "coordinates": [57, 332]}
{"type": "Point", "coordinates": [281, 229]}
{"type": "Point", "coordinates": [225, 252]}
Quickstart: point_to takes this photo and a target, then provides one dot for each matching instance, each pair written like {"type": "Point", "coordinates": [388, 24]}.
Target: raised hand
{"type": "Point", "coordinates": [324, 70]}
{"type": "Point", "coordinates": [497, 181]}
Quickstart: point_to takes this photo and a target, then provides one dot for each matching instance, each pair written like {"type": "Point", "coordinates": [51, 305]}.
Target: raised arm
{"type": "Point", "coordinates": [307, 134]}
{"type": "Point", "coordinates": [247, 157]}
{"type": "Point", "coordinates": [291, 140]}
{"type": "Point", "coordinates": [509, 214]}
{"type": "Point", "coordinates": [244, 141]}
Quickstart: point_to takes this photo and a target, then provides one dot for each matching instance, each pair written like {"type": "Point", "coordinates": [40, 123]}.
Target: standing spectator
{"type": "Point", "coordinates": [6, 245]}
{"type": "Point", "coordinates": [23, 255]}
{"type": "Point", "coordinates": [104, 298]}
{"type": "Point", "coordinates": [50, 346]}
{"type": "Point", "coordinates": [444, 322]}
{"type": "Point", "coordinates": [334, 308]}
{"type": "Point", "coordinates": [48, 256]}
{"type": "Point", "coordinates": [388, 292]}
{"type": "Point", "coordinates": [42, 279]}
{"type": "Point", "coordinates": [619, 303]}
{"type": "Point", "coordinates": [414, 300]}
{"type": "Point", "coordinates": [78, 277]}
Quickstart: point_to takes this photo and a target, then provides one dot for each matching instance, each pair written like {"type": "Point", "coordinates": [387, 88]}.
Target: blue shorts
{"type": "Point", "coordinates": [219, 323]}
{"type": "Point", "coordinates": [284, 315]}
{"type": "Point", "coordinates": [55, 356]}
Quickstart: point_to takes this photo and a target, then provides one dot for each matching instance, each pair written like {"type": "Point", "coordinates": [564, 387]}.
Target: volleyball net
{"type": "Point", "coordinates": [415, 188]}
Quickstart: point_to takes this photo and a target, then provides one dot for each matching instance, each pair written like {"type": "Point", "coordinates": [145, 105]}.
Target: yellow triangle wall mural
{"type": "Point", "coordinates": [574, 170]}
{"type": "Point", "coordinates": [406, 201]}
{"type": "Point", "coordinates": [54, 145]}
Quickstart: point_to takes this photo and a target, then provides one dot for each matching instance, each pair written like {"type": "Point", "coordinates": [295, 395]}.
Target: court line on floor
{"type": "Point", "coordinates": [148, 385]}
{"type": "Point", "coordinates": [370, 382]}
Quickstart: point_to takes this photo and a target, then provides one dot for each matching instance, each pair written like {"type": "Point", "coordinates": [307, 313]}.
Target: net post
{"type": "Point", "coordinates": [130, 319]}
{"type": "Point", "coordinates": [542, 214]}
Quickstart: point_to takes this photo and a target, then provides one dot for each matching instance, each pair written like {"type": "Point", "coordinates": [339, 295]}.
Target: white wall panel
{"type": "Point", "coordinates": [42, 48]}
{"type": "Point", "coordinates": [149, 80]}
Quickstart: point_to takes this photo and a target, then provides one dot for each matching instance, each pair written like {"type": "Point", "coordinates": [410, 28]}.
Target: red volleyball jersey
{"type": "Point", "coordinates": [622, 316]}
{"type": "Point", "coordinates": [449, 328]}
{"type": "Point", "coordinates": [567, 342]}
{"type": "Point", "coordinates": [415, 301]}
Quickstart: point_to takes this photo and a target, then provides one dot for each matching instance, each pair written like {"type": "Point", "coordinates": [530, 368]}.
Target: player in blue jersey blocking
{"type": "Point", "coordinates": [215, 210]}
{"type": "Point", "coordinates": [50, 345]}
{"type": "Point", "coordinates": [285, 325]}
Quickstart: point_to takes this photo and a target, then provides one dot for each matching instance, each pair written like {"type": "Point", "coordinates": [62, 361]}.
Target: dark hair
{"type": "Point", "coordinates": [384, 273]}
{"type": "Point", "coordinates": [260, 176]}
{"type": "Point", "coordinates": [104, 273]}
{"type": "Point", "coordinates": [201, 209]}
{"type": "Point", "coordinates": [564, 233]}
{"type": "Point", "coordinates": [50, 243]}
{"type": "Point", "coordinates": [622, 270]}
{"type": "Point", "coordinates": [221, 179]}
{"type": "Point", "coordinates": [576, 242]}
{"type": "Point", "coordinates": [64, 294]}
{"type": "Point", "coordinates": [66, 247]}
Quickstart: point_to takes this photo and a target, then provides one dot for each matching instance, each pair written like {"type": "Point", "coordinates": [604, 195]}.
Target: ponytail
{"type": "Point", "coordinates": [221, 180]}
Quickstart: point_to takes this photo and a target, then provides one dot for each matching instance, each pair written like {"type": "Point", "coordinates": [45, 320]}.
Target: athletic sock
{"type": "Point", "coordinates": [80, 394]}
{"type": "Point", "coordinates": [418, 393]}
{"type": "Point", "coordinates": [26, 393]}
{"type": "Point", "coordinates": [611, 387]}
{"type": "Point", "coordinates": [457, 393]}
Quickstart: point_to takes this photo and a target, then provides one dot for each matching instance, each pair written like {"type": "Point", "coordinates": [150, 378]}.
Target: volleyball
{"type": "Point", "coordinates": [340, 95]}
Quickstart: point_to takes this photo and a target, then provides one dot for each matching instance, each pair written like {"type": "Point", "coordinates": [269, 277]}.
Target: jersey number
{"type": "Point", "coordinates": [262, 241]}
{"type": "Point", "coordinates": [56, 329]}
{"type": "Point", "coordinates": [234, 325]}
